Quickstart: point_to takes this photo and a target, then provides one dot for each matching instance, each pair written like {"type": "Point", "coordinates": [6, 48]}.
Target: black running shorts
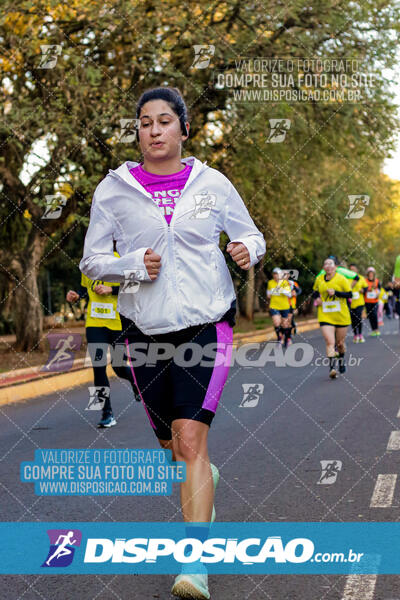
{"type": "Point", "coordinates": [179, 375]}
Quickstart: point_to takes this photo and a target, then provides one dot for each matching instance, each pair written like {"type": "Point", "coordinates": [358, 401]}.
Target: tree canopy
{"type": "Point", "coordinates": [69, 73]}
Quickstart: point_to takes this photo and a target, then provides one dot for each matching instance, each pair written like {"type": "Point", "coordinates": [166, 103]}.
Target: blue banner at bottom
{"type": "Point", "coordinates": [225, 548]}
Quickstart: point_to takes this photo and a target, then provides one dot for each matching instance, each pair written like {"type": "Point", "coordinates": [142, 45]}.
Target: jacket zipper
{"type": "Point", "coordinates": [172, 259]}
{"type": "Point", "coordinates": [181, 320]}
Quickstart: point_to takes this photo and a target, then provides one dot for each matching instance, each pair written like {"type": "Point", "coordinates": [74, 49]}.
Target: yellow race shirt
{"type": "Point", "coordinates": [383, 295]}
{"type": "Point", "coordinates": [101, 310]}
{"type": "Point", "coordinates": [278, 300]}
{"type": "Point", "coordinates": [334, 310]}
{"type": "Point", "coordinates": [358, 294]}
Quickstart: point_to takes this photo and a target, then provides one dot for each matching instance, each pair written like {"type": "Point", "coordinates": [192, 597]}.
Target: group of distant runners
{"type": "Point", "coordinates": [342, 295]}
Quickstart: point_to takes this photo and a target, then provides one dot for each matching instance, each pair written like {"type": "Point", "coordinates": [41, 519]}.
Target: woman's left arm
{"type": "Point", "coordinates": [247, 245]}
{"type": "Point", "coordinates": [345, 292]}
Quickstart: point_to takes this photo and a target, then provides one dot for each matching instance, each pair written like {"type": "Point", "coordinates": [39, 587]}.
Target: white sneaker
{"type": "Point", "coordinates": [191, 586]}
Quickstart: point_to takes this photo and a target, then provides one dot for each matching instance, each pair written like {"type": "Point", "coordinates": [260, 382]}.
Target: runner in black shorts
{"type": "Point", "coordinates": [332, 291]}
{"type": "Point", "coordinates": [279, 293]}
{"type": "Point", "coordinates": [187, 382]}
{"type": "Point", "coordinates": [102, 327]}
{"type": "Point", "coordinates": [166, 216]}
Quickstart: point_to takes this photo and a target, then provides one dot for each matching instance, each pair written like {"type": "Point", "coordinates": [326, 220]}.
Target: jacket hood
{"type": "Point", "coordinates": [122, 172]}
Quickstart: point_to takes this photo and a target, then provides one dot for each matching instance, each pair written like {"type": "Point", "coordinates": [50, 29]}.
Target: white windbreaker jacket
{"type": "Point", "coordinates": [194, 285]}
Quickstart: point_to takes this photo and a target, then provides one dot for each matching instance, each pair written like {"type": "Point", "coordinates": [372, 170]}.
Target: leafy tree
{"type": "Point", "coordinates": [67, 118]}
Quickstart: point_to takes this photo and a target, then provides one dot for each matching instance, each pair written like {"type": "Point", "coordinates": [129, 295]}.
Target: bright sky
{"type": "Point", "coordinates": [392, 165]}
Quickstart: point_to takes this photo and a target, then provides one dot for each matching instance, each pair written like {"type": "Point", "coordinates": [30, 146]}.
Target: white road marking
{"type": "Point", "coordinates": [362, 586]}
{"type": "Point", "coordinates": [398, 414]}
{"type": "Point", "coordinates": [382, 496]}
{"type": "Point", "coordinates": [394, 441]}
{"type": "Point", "coordinates": [359, 586]}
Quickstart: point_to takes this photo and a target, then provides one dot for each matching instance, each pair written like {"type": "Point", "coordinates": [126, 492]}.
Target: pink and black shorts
{"type": "Point", "coordinates": [179, 375]}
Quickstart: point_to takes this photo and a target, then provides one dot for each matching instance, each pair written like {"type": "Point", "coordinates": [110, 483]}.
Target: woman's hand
{"type": "Point", "coordinates": [152, 262]}
{"type": "Point", "coordinates": [72, 296]}
{"type": "Point", "coordinates": [239, 254]}
{"type": "Point", "coordinates": [103, 290]}
{"type": "Point", "coordinates": [318, 301]}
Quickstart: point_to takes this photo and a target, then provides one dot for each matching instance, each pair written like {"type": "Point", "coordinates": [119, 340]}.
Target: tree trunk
{"type": "Point", "coordinates": [259, 297]}
{"type": "Point", "coordinates": [7, 302]}
{"type": "Point", "coordinates": [27, 308]}
{"type": "Point", "coordinates": [249, 306]}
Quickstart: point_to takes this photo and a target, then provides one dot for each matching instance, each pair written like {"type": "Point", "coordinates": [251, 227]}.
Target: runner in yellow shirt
{"type": "Point", "coordinates": [357, 305]}
{"type": "Point", "coordinates": [279, 293]}
{"type": "Point", "coordinates": [103, 326]}
{"type": "Point", "coordinates": [332, 292]}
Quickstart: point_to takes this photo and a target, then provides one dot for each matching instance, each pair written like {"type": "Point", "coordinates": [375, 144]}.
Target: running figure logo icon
{"type": "Point", "coordinates": [279, 129]}
{"type": "Point", "coordinates": [131, 283]}
{"type": "Point", "coordinates": [358, 204]}
{"type": "Point", "coordinates": [62, 348]}
{"type": "Point", "coordinates": [330, 470]}
{"type": "Point", "coordinates": [291, 273]}
{"type": "Point", "coordinates": [203, 205]}
{"type": "Point", "coordinates": [54, 206]}
{"type": "Point", "coordinates": [202, 56]}
{"type": "Point", "coordinates": [97, 397]}
{"type": "Point", "coordinates": [48, 60]}
{"type": "Point", "coordinates": [251, 394]}
{"type": "Point", "coordinates": [128, 130]}
{"type": "Point", "coordinates": [62, 547]}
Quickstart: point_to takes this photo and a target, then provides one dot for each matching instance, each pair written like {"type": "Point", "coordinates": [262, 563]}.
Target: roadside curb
{"type": "Point", "coordinates": [268, 334]}
{"type": "Point", "coordinates": [57, 383]}
{"type": "Point", "coordinates": [47, 385]}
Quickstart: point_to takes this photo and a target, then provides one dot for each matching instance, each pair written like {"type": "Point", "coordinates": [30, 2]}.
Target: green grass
{"type": "Point", "coordinates": [261, 321]}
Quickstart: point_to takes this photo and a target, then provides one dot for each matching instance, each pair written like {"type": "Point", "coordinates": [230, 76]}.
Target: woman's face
{"type": "Point", "coordinates": [160, 135]}
{"type": "Point", "coordinates": [371, 275]}
{"type": "Point", "coordinates": [329, 266]}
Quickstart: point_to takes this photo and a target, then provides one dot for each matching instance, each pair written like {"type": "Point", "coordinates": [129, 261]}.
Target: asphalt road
{"type": "Point", "coordinates": [269, 459]}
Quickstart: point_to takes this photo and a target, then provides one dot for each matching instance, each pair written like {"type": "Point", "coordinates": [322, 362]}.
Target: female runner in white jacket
{"type": "Point", "coordinates": [166, 216]}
